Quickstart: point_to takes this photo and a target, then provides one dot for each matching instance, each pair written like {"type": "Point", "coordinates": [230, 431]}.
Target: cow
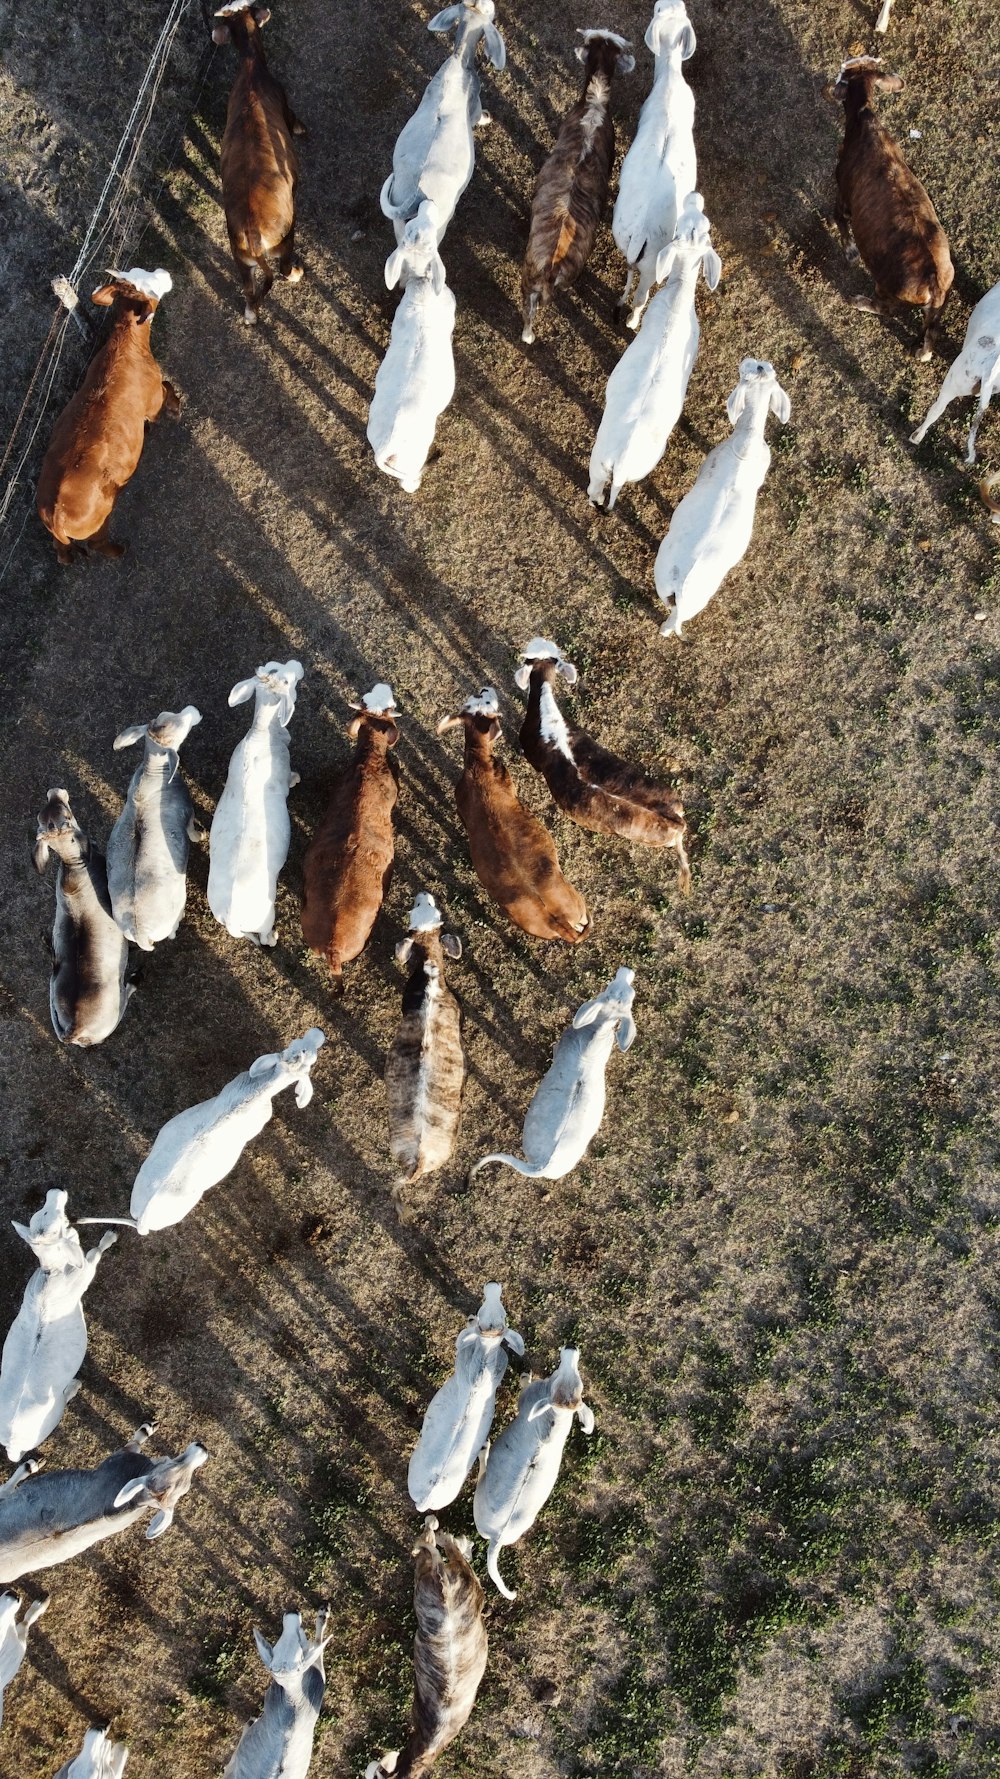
{"type": "Point", "coordinates": [518, 1472]}
{"type": "Point", "coordinates": [977, 365]}
{"type": "Point", "coordinates": [449, 1653]}
{"type": "Point", "coordinates": [566, 1111]}
{"type": "Point", "coordinates": [600, 791]}
{"type": "Point", "coordinates": [260, 167]}
{"type": "Point", "coordinates": [460, 1414]}
{"type": "Point", "coordinates": [435, 151]}
{"type": "Point", "coordinates": [14, 1636]}
{"type": "Point", "coordinates": [572, 188]}
{"type": "Point", "coordinates": [711, 527]}
{"type": "Point", "coordinates": [513, 855]}
{"type": "Point", "coordinates": [251, 831]}
{"type": "Point", "coordinates": [97, 441]}
{"type": "Point", "coordinates": [425, 1067]}
{"type": "Point", "coordinates": [348, 866]}
{"type": "Point", "coordinates": [50, 1518]}
{"type": "Point", "coordinates": [661, 166]}
{"type": "Point", "coordinates": [88, 988]}
{"type": "Point", "coordinates": [99, 1758]}
{"type": "Point", "coordinates": [895, 226]}
{"type": "Point", "coordinates": [416, 379]}
{"type": "Point", "coordinates": [148, 845]}
{"type": "Point", "coordinates": [647, 388]}
{"type": "Point", "coordinates": [200, 1146]}
{"type": "Point", "coordinates": [278, 1744]}
{"type": "Point", "coordinates": [47, 1341]}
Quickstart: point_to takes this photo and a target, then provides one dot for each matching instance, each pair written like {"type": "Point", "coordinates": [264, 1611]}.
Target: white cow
{"type": "Point", "coordinates": [279, 1743]}
{"type": "Point", "coordinates": [14, 1637]}
{"type": "Point", "coordinates": [199, 1147]}
{"type": "Point", "coordinates": [148, 849]}
{"type": "Point", "coordinates": [416, 379]}
{"type": "Point", "coordinates": [713, 524]}
{"type": "Point", "coordinates": [435, 151]}
{"type": "Point", "coordinates": [647, 387]}
{"type": "Point", "coordinates": [977, 363]}
{"type": "Point", "coordinates": [47, 1342]}
{"type": "Point", "coordinates": [460, 1416]}
{"type": "Point", "coordinates": [566, 1112]}
{"type": "Point", "coordinates": [99, 1758]}
{"type": "Point", "coordinates": [660, 167]}
{"type": "Point", "coordinates": [518, 1472]}
{"type": "Point", "coordinates": [250, 829]}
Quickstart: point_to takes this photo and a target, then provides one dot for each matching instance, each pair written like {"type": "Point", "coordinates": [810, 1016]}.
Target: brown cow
{"type": "Point", "coordinates": [98, 438]}
{"type": "Point", "coordinates": [512, 853]}
{"type": "Point", "coordinates": [425, 1067]}
{"type": "Point", "coordinates": [895, 225]}
{"type": "Point", "coordinates": [260, 167]}
{"type": "Point", "coordinates": [348, 866]}
{"type": "Point", "coordinates": [595, 787]}
{"type": "Point", "coordinates": [449, 1652]}
{"type": "Point", "coordinates": [572, 187]}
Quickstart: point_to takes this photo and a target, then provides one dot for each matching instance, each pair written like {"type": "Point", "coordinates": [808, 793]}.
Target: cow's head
{"type": "Point", "coordinates": [758, 377]}
{"type": "Point", "coordinates": [490, 1323]}
{"type": "Point", "coordinates": [240, 15]}
{"type": "Point", "coordinates": [137, 293]}
{"type": "Point", "coordinates": [669, 29]}
{"type": "Point", "coordinates": [613, 1003]}
{"type": "Point", "coordinates": [377, 712]}
{"type": "Point", "coordinates": [275, 684]}
{"type": "Point", "coordinates": [50, 1234]}
{"type": "Point", "coordinates": [58, 832]}
{"type": "Point", "coordinates": [692, 242]}
{"type": "Point", "coordinates": [162, 1487]}
{"type": "Point", "coordinates": [168, 730]}
{"type": "Point", "coordinates": [865, 74]}
{"type": "Point", "coordinates": [425, 923]}
{"type": "Point", "coordinates": [287, 1659]}
{"type": "Point", "coordinates": [539, 652]}
{"type": "Point", "coordinates": [480, 714]}
{"type": "Point", "coordinates": [566, 1388]}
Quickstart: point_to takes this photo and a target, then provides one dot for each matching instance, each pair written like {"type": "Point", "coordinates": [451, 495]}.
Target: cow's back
{"type": "Point", "coordinates": [259, 163]}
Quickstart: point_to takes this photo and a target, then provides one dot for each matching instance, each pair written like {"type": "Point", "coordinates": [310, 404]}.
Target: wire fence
{"type": "Point", "coordinates": [112, 230]}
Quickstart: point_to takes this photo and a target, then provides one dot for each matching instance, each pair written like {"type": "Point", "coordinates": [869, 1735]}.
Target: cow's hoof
{"type": "Point", "coordinates": [296, 274]}
{"type": "Point", "coordinates": [250, 316]}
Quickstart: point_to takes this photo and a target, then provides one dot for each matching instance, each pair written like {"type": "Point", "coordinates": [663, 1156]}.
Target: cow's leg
{"type": "Point", "coordinates": [66, 554]}
{"type": "Point", "coordinates": [101, 542]}
{"type": "Point", "coordinates": [295, 124]}
{"type": "Point", "coordinates": [842, 218]}
{"type": "Point", "coordinates": [985, 396]}
{"type": "Point", "coordinates": [287, 267]}
{"type": "Point", "coordinates": [957, 384]}
{"type": "Point", "coordinates": [932, 317]}
{"type": "Point", "coordinates": [28, 1468]}
{"type": "Point", "coordinates": [171, 399]}
{"type": "Point", "coordinates": [251, 293]}
{"type": "Point", "coordinates": [140, 1436]}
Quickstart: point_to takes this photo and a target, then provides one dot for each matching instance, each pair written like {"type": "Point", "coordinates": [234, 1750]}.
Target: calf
{"type": "Point", "coordinates": [199, 1147]}
{"type": "Point", "coordinates": [348, 867]}
{"type": "Point", "coordinates": [711, 527]}
{"type": "Point", "coordinates": [260, 167]}
{"type": "Point", "coordinates": [660, 167]}
{"type": "Point", "coordinates": [572, 187]}
{"type": "Point", "coordinates": [895, 225]}
{"type": "Point", "coordinates": [47, 1341]}
{"type": "Point", "coordinates": [98, 438]}
{"type": "Point", "coordinates": [416, 379]}
{"type": "Point", "coordinates": [460, 1415]}
{"type": "Point", "coordinates": [517, 1474]}
{"type": "Point", "coordinates": [278, 1744]}
{"type": "Point", "coordinates": [449, 1653]}
{"type": "Point", "coordinates": [99, 1758]}
{"type": "Point", "coordinates": [49, 1518]}
{"type": "Point", "coordinates": [513, 855]}
{"type": "Point", "coordinates": [435, 151]}
{"type": "Point", "coordinates": [600, 791]}
{"type": "Point", "coordinates": [568, 1105]}
{"type": "Point", "coordinates": [14, 1637]}
{"type": "Point", "coordinates": [978, 363]}
{"type": "Point", "coordinates": [148, 847]}
{"type": "Point", "coordinates": [88, 992]}
{"type": "Point", "coordinates": [425, 1067]}
{"type": "Point", "coordinates": [251, 831]}
{"type": "Point", "coordinates": [647, 388]}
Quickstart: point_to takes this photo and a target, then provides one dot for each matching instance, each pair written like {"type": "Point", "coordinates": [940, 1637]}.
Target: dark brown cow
{"type": "Point", "coordinates": [895, 226]}
{"type": "Point", "coordinates": [449, 1653]}
{"type": "Point", "coordinates": [425, 1067]}
{"type": "Point", "coordinates": [513, 854]}
{"type": "Point", "coordinates": [572, 187]}
{"type": "Point", "coordinates": [348, 867]}
{"type": "Point", "coordinates": [98, 438]}
{"type": "Point", "coordinates": [260, 167]}
{"type": "Point", "coordinates": [595, 787]}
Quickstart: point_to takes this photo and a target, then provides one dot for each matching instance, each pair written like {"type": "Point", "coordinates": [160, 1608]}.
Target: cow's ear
{"type": "Point", "coordinates": [451, 945]}
{"type": "Point", "coordinates": [105, 295]}
{"type": "Point", "coordinates": [221, 34]}
{"type": "Point", "coordinates": [263, 15]}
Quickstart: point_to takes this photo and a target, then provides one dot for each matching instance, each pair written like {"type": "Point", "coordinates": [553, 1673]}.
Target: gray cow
{"type": "Point", "coordinates": [278, 1744]}
{"type": "Point", "coordinates": [47, 1519]}
{"type": "Point", "coordinates": [88, 992]}
{"type": "Point", "coordinates": [148, 848]}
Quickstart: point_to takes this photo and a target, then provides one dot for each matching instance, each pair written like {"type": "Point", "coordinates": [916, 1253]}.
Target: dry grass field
{"type": "Point", "coordinates": [777, 1556]}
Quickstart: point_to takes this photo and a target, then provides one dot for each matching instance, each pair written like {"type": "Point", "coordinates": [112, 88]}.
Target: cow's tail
{"type": "Point", "coordinates": [493, 1571]}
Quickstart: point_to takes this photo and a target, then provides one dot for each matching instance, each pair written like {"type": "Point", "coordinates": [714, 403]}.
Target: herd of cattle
{"type": "Point", "coordinates": [136, 894]}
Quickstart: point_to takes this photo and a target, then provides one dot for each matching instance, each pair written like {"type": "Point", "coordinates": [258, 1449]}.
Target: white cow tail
{"type": "Point", "coordinates": [493, 1572]}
